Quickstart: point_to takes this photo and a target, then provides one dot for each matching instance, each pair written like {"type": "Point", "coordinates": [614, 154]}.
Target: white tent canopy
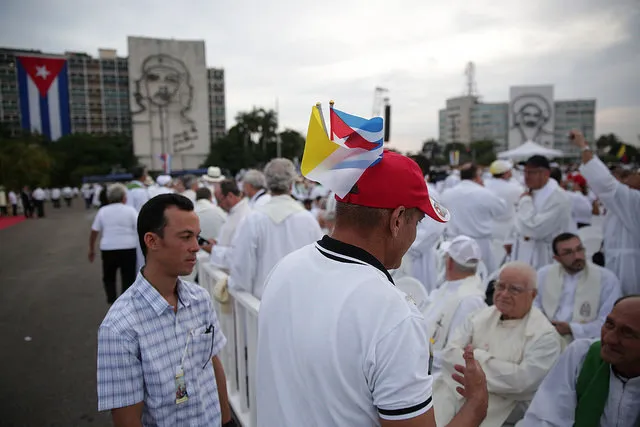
{"type": "Point", "coordinates": [529, 149]}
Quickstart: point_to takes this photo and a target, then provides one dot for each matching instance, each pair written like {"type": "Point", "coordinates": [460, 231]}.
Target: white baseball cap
{"type": "Point", "coordinates": [464, 250]}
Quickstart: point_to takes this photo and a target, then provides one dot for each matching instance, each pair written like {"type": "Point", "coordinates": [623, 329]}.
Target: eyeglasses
{"type": "Point", "coordinates": [511, 289]}
{"type": "Point", "coordinates": [578, 250]}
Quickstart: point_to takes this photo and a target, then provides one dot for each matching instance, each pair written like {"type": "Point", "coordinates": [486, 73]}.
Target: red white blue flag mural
{"type": "Point", "coordinates": [43, 85]}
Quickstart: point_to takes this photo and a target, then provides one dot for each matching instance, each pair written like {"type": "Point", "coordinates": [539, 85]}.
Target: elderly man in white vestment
{"type": "Point", "coordinates": [461, 294]}
{"type": "Point", "coordinates": [621, 222]}
{"type": "Point", "coordinates": [575, 294]}
{"type": "Point", "coordinates": [211, 217]}
{"type": "Point", "coordinates": [596, 383]}
{"type": "Point", "coordinates": [514, 343]}
{"type": "Point", "coordinates": [543, 212]}
{"type": "Point", "coordinates": [230, 199]}
{"type": "Point", "coordinates": [254, 186]}
{"type": "Point", "coordinates": [271, 231]}
{"type": "Point", "coordinates": [474, 211]}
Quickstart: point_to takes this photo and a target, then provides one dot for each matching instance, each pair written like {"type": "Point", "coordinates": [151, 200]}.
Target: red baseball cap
{"type": "Point", "coordinates": [579, 179]}
{"type": "Point", "coordinates": [395, 181]}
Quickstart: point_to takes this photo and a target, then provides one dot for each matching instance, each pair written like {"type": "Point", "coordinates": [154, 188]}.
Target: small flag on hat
{"type": "Point", "coordinates": [338, 162]}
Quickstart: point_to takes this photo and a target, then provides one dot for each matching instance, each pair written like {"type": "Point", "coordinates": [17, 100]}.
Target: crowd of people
{"type": "Point", "coordinates": [516, 321]}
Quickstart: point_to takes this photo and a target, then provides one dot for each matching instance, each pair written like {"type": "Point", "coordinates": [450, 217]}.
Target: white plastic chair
{"type": "Point", "coordinates": [412, 287]}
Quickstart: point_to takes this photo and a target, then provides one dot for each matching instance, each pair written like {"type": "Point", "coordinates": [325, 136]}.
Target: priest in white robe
{"type": "Point", "coordinates": [254, 186]}
{"type": "Point", "coordinates": [461, 294]}
{"type": "Point", "coordinates": [621, 222]}
{"type": "Point", "coordinates": [543, 212]}
{"type": "Point", "coordinates": [270, 232]}
{"type": "Point", "coordinates": [595, 382]}
{"type": "Point", "coordinates": [514, 343]}
{"type": "Point", "coordinates": [137, 196]}
{"type": "Point", "coordinates": [474, 211]}
{"type": "Point", "coordinates": [231, 200]}
{"type": "Point", "coordinates": [508, 189]}
{"type": "Point", "coordinates": [575, 294]}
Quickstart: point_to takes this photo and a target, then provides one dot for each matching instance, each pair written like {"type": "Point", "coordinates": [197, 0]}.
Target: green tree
{"type": "Point", "coordinates": [483, 152]}
{"type": "Point", "coordinates": [431, 149]}
{"type": "Point", "coordinates": [24, 163]}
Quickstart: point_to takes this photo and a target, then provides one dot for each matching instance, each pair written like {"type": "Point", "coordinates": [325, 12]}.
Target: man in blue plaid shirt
{"type": "Point", "coordinates": [158, 344]}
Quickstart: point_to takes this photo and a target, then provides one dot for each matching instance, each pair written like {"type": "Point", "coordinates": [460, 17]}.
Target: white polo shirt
{"type": "Point", "coordinates": [117, 223]}
{"type": "Point", "coordinates": [338, 343]}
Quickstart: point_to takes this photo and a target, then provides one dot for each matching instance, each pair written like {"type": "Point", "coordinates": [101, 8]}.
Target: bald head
{"type": "Point", "coordinates": [620, 337]}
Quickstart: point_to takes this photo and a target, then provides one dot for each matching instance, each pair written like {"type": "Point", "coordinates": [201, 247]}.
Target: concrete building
{"type": "Point", "coordinates": [531, 114]}
{"type": "Point", "coordinates": [9, 97]}
{"type": "Point", "coordinates": [217, 103]}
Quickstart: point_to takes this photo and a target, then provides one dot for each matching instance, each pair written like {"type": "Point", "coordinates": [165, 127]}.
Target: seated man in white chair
{"type": "Point", "coordinates": [460, 295]}
{"type": "Point", "coordinates": [514, 343]}
{"type": "Point", "coordinates": [575, 294]}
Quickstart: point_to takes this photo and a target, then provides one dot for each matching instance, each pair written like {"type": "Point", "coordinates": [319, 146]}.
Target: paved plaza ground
{"type": "Point", "coordinates": [50, 292]}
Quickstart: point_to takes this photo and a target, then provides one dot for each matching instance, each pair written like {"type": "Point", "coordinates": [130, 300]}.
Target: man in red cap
{"type": "Point", "coordinates": [338, 343]}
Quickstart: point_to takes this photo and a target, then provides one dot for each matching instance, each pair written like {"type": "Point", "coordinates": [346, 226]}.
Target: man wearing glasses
{"type": "Point", "coordinates": [514, 343]}
{"type": "Point", "coordinates": [574, 294]}
{"type": "Point", "coordinates": [543, 212]}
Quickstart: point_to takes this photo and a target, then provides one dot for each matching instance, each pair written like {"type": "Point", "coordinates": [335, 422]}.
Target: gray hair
{"type": "Point", "coordinates": [524, 268]}
{"type": "Point", "coordinates": [280, 175]}
{"type": "Point", "coordinates": [116, 193]}
{"type": "Point", "coordinates": [255, 178]}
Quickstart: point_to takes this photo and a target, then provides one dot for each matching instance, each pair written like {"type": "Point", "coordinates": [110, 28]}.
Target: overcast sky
{"type": "Point", "coordinates": [302, 51]}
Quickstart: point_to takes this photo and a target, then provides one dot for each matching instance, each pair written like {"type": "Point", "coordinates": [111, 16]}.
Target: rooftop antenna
{"type": "Point", "coordinates": [471, 87]}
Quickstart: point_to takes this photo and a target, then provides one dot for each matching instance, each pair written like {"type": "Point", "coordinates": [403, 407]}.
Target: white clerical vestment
{"type": "Point", "coordinates": [137, 196]}
{"type": "Point", "coordinates": [514, 354]}
{"type": "Point", "coordinates": [268, 234]}
{"type": "Point", "coordinates": [555, 402]}
{"type": "Point", "coordinates": [211, 217]}
{"type": "Point", "coordinates": [474, 210]}
{"type": "Point", "coordinates": [539, 219]}
{"type": "Point", "coordinates": [448, 307]}
{"type": "Point", "coordinates": [622, 224]}
{"type": "Point", "coordinates": [221, 250]}
{"type": "Point", "coordinates": [583, 299]}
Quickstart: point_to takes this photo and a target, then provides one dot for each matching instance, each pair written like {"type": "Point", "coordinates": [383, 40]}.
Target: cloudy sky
{"type": "Point", "coordinates": [302, 51]}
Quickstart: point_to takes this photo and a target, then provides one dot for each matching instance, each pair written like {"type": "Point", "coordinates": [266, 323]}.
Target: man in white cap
{"type": "Point", "coordinates": [474, 210]}
{"type": "Point", "coordinates": [163, 186]}
{"type": "Point", "coordinates": [515, 345]}
{"type": "Point", "coordinates": [214, 175]}
{"type": "Point", "coordinates": [508, 189]}
{"type": "Point", "coordinates": [460, 295]}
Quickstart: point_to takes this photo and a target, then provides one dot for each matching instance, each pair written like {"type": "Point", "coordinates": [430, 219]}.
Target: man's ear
{"type": "Point", "coordinates": [152, 241]}
{"type": "Point", "coordinates": [395, 218]}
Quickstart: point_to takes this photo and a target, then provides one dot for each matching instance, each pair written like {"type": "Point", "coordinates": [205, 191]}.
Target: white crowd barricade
{"type": "Point", "coordinates": [239, 322]}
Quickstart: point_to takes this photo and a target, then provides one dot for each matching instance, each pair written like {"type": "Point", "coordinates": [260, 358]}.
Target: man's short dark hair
{"type": "Point", "coordinates": [626, 297]}
{"type": "Point", "coordinates": [138, 172]}
{"type": "Point", "coordinates": [556, 174]}
{"type": "Point", "coordinates": [563, 237]}
{"type": "Point", "coordinates": [469, 171]}
{"type": "Point", "coordinates": [363, 218]}
{"type": "Point", "coordinates": [203, 193]}
{"type": "Point", "coordinates": [152, 219]}
{"type": "Point", "coordinates": [538, 161]}
{"type": "Point", "coordinates": [229, 186]}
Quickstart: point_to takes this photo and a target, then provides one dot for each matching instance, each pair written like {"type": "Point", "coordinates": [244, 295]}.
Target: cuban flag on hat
{"type": "Point", "coordinates": [43, 85]}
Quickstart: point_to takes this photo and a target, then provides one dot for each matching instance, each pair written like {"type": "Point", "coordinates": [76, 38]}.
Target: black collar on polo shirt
{"type": "Point", "coordinates": [338, 251]}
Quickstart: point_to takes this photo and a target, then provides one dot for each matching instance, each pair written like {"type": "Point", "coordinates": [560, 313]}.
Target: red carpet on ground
{"type": "Point", "coordinates": [8, 221]}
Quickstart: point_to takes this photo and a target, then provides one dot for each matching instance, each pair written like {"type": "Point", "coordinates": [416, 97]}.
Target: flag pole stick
{"type": "Point", "coordinates": [330, 121]}
{"type": "Point", "coordinates": [319, 107]}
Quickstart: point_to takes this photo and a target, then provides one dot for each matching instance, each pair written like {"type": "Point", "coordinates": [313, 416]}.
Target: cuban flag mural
{"type": "Point", "coordinates": [44, 95]}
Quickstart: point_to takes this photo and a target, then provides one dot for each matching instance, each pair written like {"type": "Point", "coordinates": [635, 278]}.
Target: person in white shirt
{"type": "Point", "coordinates": [138, 193]}
{"type": "Point", "coordinates": [271, 231]}
{"type": "Point", "coordinates": [338, 343]}
{"type": "Point", "coordinates": [4, 211]}
{"type": "Point", "coordinates": [460, 295]}
{"type": "Point", "coordinates": [67, 195]}
{"type": "Point", "coordinates": [13, 201]}
{"type": "Point", "coordinates": [575, 294]}
{"type": "Point", "coordinates": [595, 382]}
{"type": "Point", "coordinates": [163, 186]}
{"type": "Point", "coordinates": [55, 197]}
{"type": "Point", "coordinates": [231, 200]}
{"type": "Point", "coordinates": [254, 187]}
{"type": "Point", "coordinates": [505, 186]}
{"type": "Point", "coordinates": [38, 200]}
{"type": "Point", "coordinates": [116, 223]}
{"type": "Point", "coordinates": [621, 228]}
{"type": "Point", "coordinates": [543, 212]}
{"type": "Point", "coordinates": [514, 343]}
{"type": "Point", "coordinates": [87, 195]}
{"type": "Point", "coordinates": [211, 217]}
{"type": "Point", "coordinates": [474, 210]}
